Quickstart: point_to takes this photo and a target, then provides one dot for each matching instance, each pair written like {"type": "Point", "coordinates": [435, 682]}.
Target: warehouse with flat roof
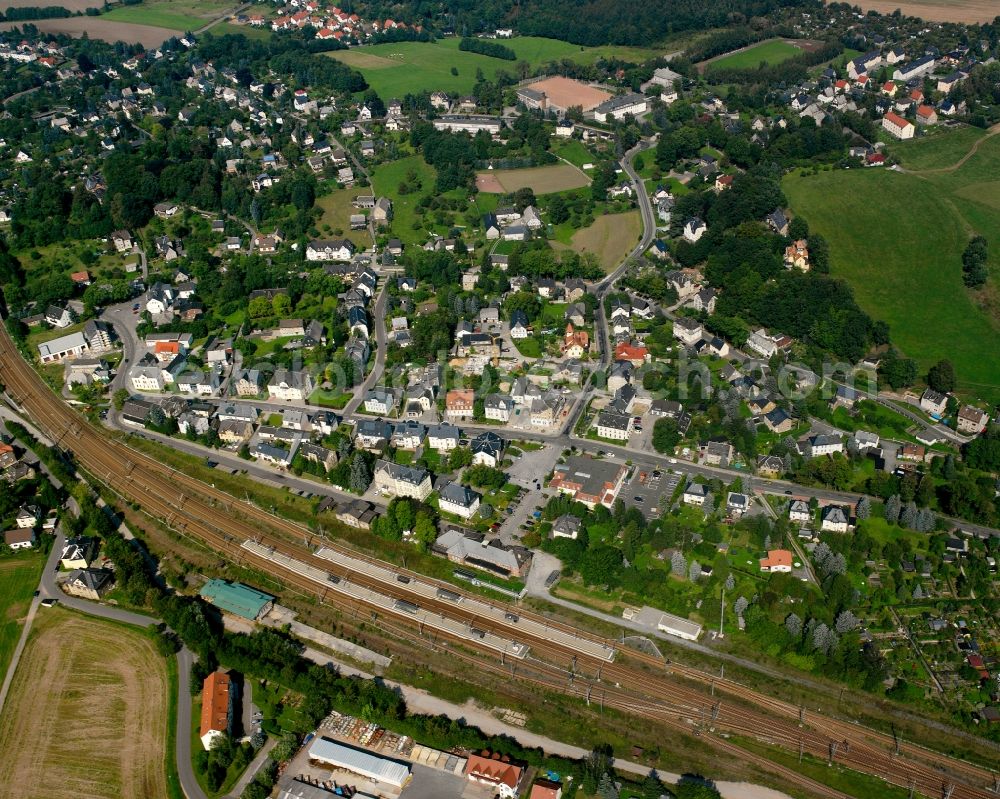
{"type": "Point", "coordinates": [238, 599]}
{"type": "Point", "coordinates": [359, 761]}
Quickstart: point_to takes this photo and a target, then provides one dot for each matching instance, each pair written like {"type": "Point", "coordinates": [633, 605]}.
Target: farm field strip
{"type": "Point", "coordinates": [85, 718]}
{"type": "Point", "coordinates": [937, 10]}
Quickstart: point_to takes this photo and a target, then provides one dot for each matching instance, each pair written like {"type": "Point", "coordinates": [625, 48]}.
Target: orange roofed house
{"type": "Point", "coordinates": [217, 697]}
{"type": "Point", "coordinates": [460, 404]}
{"type": "Point", "coordinates": [777, 560]}
{"type": "Point", "coordinates": [546, 789]}
{"type": "Point", "coordinates": [495, 770]}
{"type": "Point", "coordinates": [636, 354]}
{"type": "Point", "coordinates": [575, 342]}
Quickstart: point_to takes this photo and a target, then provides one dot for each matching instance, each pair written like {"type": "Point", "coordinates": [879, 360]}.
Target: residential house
{"type": "Point", "coordinates": [498, 407]}
{"type": "Point", "coordinates": [290, 385]}
{"type": "Point", "coordinates": [694, 229]}
{"type": "Point", "coordinates": [458, 499]}
{"type": "Point", "coordinates": [89, 583]}
{"type": "Point", "coordinates": [566, 526]}
{"type": "Point", "coordinates": [218, 700]}
{"type": "Point", "coordinates": [614, 425]}
{"type": "Point", "coordinates": [487, 449]}
{"type": "Point", "coordinates": [777, 560]}
{"type": "Point", "coordinates": [575, 342]}
{"type": "Point", "coordinates": [718, 453]}
{"type": "Point", "coordinates": [824, 445]}
{"type": "Point", "coordinates": [20, 538]}
{"type": "Point", "coordinates": [896, 126]}
{"type": "Point", "coordinates": [834, 519]}
{"type": "Point", "coordinates": [443, 437]}
{"type": "Point", "coordinates": [689, 331]}
{"type": "Point", "coordinates": [395, 480]}
{"type": "Point", "coordinates": [799, 511]}
{"type": "Point", "coordinates": [381, 400]}
{"type": "Point", "coordinates": [971, 420]}
{"type": "Point", "coordinates": [459, 404]}
{"type": "Point", "coordinates": [934, 402]}
{"type": "Point", "coordinates": [373, 434]}
{"type": "Point", "coordinates": [695, 494]}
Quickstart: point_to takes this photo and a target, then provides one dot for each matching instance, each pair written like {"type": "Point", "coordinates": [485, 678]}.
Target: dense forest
{"type": "Point", "coordinates": [588, 22]}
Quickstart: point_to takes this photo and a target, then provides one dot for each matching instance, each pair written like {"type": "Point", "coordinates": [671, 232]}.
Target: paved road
{"type": "Point", "coordinates": [257, 470]}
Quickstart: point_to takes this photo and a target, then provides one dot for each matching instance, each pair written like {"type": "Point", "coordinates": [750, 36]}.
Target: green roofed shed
{"type": "Point", "coordinates": [238, 599]}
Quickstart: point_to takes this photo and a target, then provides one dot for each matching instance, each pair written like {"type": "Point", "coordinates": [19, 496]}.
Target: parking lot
{"type": "Point", "coordinates": [650, 491]}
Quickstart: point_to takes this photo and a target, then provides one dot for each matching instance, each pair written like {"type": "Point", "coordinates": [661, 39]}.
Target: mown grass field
{"type": "Point", "coordinates": [88, 713]}
{"type": "Point", "coordinates": [768, 52]}
{"type": "Point", "coordinates": [337, 208]}
{"type": "Point", "coordinates": [386, 180]}
{"type": "Point", "coordinates": [180, 15]}
{"type": "Point", "coordinates": [18, 579]}
{"type": "Point", "coordinates": [399, 68]}
{"type": "Point", "coordinates": [898, 239]}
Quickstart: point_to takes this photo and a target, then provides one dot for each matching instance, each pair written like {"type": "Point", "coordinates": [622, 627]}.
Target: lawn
{"type": "Point", "coordinates": [574, 151]}
{"type": "Point", "coordinates": [541, 179]}
{"type": "Point", "coordinates": [400, 68]}
{"type": "Point", "coordinates": [768, 52]}
{"type": "Point", "coordinates": [336, 220]}
{"type": "Point", "coordinates": [88, 713]}
{"type": "Point", "coordinates": [180, 15]}
{"type": "Point", "coordinates": [18, 579]}
{"type": "Point", "coordinates": [903, 257]}
{"type": "Point", "coordinates": [386, 179]}
{"type": "Point", "coordinates": [942, 148]}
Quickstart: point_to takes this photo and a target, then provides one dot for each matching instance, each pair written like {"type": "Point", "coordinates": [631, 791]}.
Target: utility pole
{"type": "Point", "coordinates": [722, 612]}
{"type": "Point", "coordinates": [833, 753]}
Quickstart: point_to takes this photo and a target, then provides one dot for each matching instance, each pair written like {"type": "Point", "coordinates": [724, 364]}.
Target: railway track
{"type": "Point", "coordinates": [222, 523]}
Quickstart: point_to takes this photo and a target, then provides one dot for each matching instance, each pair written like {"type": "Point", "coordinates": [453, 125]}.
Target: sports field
{"type": "Point", "coordinates": [180, 15]}
{"type": "Point", "coordinates": [399, 68]}
{"type": "Point", "coordinates": [18, 579]}
{"type": "Point", "coordinates": [566, 93]}
{"type": "Point", "coordinates": [768, 52]}
{"type": "Point", "coordinates": [87, 714]}
{"type": "Point", "coordinates": [541, 179]}
{"type": "Point", "coordinates": [902, 247]}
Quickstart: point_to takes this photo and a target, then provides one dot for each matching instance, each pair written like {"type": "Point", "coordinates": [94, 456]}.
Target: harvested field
{"type": "Point", "coordinates": [937, 10]}
{"type": "Point", "coordinates": [69, 5]}
{"type": "Point", "coordinates": [87, 714]}
{"type": "Point", "coordinates": [566, 93]}
{"type": "Point", "coordinates": [610, 238]}
{"type": "Point", "coordinates": [98, 28]}
{"type": "Point", "coordinates": [541, 179]}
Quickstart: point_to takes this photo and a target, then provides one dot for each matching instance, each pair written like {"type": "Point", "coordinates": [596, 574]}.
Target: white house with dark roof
{"type": "Point", "coordinates": [835, 519]}
{"type": "Point", "coordinates": [458, 499]}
